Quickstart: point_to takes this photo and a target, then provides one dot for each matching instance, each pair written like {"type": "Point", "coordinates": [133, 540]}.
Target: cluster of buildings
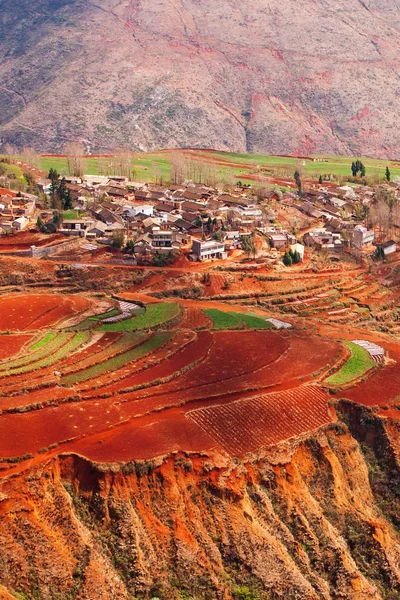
{"type": "Point", "coordinates": [207, 223]}
{"type": "Point", "coordinates": [17, 211]}
{"type": "Point", "coordinates": [161, 219]}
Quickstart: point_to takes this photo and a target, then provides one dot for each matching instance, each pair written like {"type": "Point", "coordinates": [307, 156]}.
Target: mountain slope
{"type": "Point", "coordinates": [277, 77]}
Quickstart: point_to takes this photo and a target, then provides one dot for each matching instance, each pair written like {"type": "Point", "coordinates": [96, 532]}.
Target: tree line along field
{"type": "Point", "coordinates": [166, 378]}
{"type": "Point", "coordinates": [151, 166]}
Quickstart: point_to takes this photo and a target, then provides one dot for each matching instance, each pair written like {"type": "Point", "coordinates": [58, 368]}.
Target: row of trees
{"type": "Point", "coordinates": [358, 167]}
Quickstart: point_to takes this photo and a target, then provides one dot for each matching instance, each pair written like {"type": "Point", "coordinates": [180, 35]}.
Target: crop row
{"type": "Point", "coordinates": [155, 315]}
{"type": "Point", "coordinates": [121, 344]}
{"type": "Point", "coordinates": [73, 344]}
{"type": "Point", "coordinates": [48, 348]}
{"type": "Point", "coordinates": [234, 320]}
{"type": "Point", "coordinates": [113, 364]}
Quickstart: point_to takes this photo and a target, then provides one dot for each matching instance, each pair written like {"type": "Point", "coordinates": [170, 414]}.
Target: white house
{"type": "Point", "coordinates": [299, 248]}
{"type": "Point", "coordinates": [361, 237]}
{"type": "Point", "coordinates": [208, 249]}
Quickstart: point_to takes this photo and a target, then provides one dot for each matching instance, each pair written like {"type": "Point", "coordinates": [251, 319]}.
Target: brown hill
{"type": "Point", "coordinates": [276, 77]}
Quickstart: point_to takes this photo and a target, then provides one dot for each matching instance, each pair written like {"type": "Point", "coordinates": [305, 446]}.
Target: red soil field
{"type": "Point", "coordinates": [146, 438]}
{"type": "Point", "coordinates": [126, 376]}
{"type": "Point", "coordinates": [239, 360]}
{"type": "Point", "coordinates": [35, 311]}
{"type": "Point", "coordinates": [188, 355]}
{"type": "Point", "coordinates": [301, 359]}
{"type": "Point", "coordinates": [12, 344]}
{"type": "Point", "coordinates": [383, 386]}
{"type": "Point", "coordinates": [194, 318]}
{"type": "Point", "coordinates": [246, 425]}
{"type": "Point", "coordinates": [24, 240]}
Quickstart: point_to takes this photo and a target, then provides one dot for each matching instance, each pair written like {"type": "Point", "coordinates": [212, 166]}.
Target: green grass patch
{"type": "Point", "coordinates": [113, 364]}
{"type": "Point", "coordinates": [52, 358]}
{"type": "Point", "coordinates": [45, 340]}
{"type": "Point", "coordinates": [224, 320]}
{"type": "Point", "coordinates": [148, 166]}
{"type": "Point", "coordinates": [253, 321]}
{"type": "Point", "coordinates": [72, 215]}
{"type": "Point", "coordinates": [359, 363]}
{"type": "Point", "coordinates": [236, 320]}
{"type": "Point", "coordinates": [156, 314]}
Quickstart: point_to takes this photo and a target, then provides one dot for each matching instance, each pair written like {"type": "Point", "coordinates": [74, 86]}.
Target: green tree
{"type": "Point", "coordinates": [298, 181]}
{"type": "Point", "coordinates": [117, 239]}
{"type": "Point", "coordinates": [320, 180]}
{"type": "Point", "coordinates": [387, 174]}
{"type": "Point", "coordinates": [248, 245]}
{"type": "Point", "coordinates": [287, 259]}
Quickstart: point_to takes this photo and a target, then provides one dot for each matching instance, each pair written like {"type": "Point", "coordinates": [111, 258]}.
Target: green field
{"type": "Point", "coordinates": [152, 166]}
{"type": "Point", "coordinates": [359, 363]}
{"type": "Point", "coordinates": [43, 341]}
{"type": "Point", "coordinates": [51, 358]}
{"type": "Point", "coordinates": [234, 320]}
{"type": "Point", "coordinates": [223, 320]}
{"type": "Point", "coordinates": [253, 321]}
{"type": "Point", "coordinates": [156, 314]}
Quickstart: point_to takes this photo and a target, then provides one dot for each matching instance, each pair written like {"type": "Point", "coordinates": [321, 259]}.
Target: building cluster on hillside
{"type": "Point", "coordinates": [162, 219]}
{"type": "Point", "coordinates": [206, 223]}
{"type": "Point", "coordinates": [17, 211]}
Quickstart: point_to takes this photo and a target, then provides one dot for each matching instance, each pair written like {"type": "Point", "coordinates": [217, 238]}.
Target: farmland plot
{"type": "Point", "coordinates": [249, 424]}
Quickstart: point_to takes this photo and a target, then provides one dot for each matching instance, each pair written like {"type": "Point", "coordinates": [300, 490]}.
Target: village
{"type": "Point", "coordinates": [143, 223]}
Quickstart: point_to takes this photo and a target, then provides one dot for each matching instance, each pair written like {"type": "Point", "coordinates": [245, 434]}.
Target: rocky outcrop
{"type": "Point", "coordinates": [276, 77]}
{"type": "Point", "coordinates": [315, 520]}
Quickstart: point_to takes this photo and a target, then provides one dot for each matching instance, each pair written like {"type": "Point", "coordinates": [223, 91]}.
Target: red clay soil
{"type": "Point", "coordinates": [29, 432]}
{"type": "Point", "coordinates": [35, 311]}
{"type": "Point", "coordinates": [126, 376]}
{"type": "Point", "coordinates": [24, 240]}
{"type": "Point", "coordinates": [190, 354]}
{"type": "Point", "coordinates": [145, 438]}
{"type": "Point", "coordinates": [12, 344]}
{"type": "Point", "coordinates": [301, 359]}
{"type": "Point", "coordinates": [195, 318]}
{"type": "Point", "coordinates": [39, 396]}
{"type": "Point", "coordinates": [246, 425]}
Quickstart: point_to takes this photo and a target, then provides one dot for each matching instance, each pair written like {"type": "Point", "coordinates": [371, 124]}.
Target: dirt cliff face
{"type": "Point", "coordinates": [310, 520]}
{"type": "Point", "coordinates": [276, 77]}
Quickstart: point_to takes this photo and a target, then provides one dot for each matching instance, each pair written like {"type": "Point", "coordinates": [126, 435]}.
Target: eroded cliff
{"type": "Point", "coordinates": [312, 519]}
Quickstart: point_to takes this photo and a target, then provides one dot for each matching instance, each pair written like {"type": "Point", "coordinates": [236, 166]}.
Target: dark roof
{"type": "Point", "coordinates": [162, 207]}
{"type": "Point", "coordinates": [182, 224]}
{"type": "Point", "coordinates": [192, 207]}
{"type": "Point", "coordinates": [388, 244]}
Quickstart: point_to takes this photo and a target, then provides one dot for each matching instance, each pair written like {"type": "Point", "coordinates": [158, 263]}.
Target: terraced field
{"type": "Point", "coordinates": [172, 375]}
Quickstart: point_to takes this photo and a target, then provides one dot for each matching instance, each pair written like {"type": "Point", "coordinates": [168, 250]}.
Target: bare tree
{"type": "Point", "coordinates": [9, 150]}
{"type": "Point", "coordinates": [178, 167]}
{"type": "Point", "coordinates": [30, 156]}
{"type": "Point", "coordinates": [74, 152]}
{"type": "Point", "coordinates": [123, 163]}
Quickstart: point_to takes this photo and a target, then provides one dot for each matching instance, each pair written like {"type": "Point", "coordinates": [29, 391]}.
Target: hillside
{"type": "Point", "coordinates": [282, 77]}
{"type": "Point", "coordinates": [303, 522]}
